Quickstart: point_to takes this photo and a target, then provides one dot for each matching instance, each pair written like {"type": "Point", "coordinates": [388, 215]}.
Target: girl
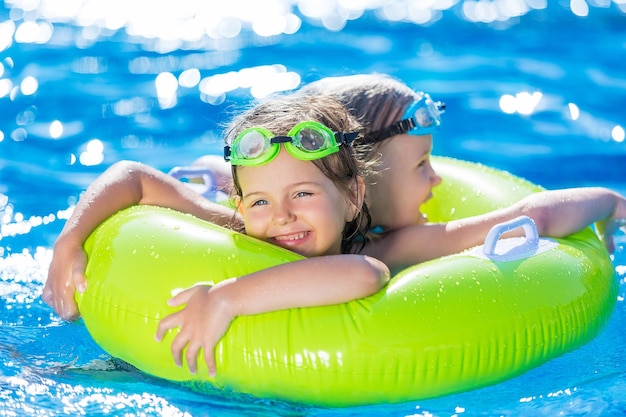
{"type": "Point", "coordinates": [298, 186]}
{"type": "Point", "coordinates": [398, 127]}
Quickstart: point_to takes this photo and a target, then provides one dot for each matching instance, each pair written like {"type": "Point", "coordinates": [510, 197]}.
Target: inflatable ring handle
{"type": "Point", "coordinates": [208, 188]}
{"type": "Point", "coordinates": [531, 237]}
{"type": "Point", "coordinates": [206, 174]}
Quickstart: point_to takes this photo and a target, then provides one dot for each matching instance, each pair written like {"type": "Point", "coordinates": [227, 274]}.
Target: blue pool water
{"type": "Point", "coordinates": [535, 89]}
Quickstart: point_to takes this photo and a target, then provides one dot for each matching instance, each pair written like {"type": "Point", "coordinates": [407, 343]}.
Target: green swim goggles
{"type": "Point", "coordinates": [421, 118]}
{"type": "Point", "coordinates": [306, 141]}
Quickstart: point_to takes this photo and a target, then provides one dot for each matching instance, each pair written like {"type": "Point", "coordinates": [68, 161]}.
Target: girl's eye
{"type": "Point", "coordinates": [423, 162]}
{"type": "Point", "coordinates": [303, 194]}
{"type": "Point", "coordinates": [259, 203]}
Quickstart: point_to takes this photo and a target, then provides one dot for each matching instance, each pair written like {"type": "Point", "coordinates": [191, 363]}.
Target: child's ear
{"type": "Point", "coordinates": [238, 205]}
{"type": "Point", "coordinates": [356, 198]}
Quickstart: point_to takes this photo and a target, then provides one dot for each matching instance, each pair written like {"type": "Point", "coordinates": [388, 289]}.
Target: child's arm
{"type": "Point", "coordinates": [556, 213]}
{"type": "Point", "coordinates": [310, 282]}
{"type": "Point", "coordinates": [121, 186]}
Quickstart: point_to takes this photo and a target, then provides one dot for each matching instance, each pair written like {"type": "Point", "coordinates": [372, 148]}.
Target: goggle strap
{"type": "Point", "coordinates": [403, 126]}
{"type": "Point", "coordinates": [227, 153]}
{"type": "Point", "coordinates": [346, 138]}
{"type": "Point", "coordinates": [281, 139]}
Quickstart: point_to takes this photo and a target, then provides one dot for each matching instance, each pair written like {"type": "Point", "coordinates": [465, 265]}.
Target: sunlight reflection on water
{"type": "Point", "coordinates": [86, 82]}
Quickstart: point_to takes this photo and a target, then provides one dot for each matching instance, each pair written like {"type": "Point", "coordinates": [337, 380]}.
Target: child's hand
{"type": "Point", "coordinates": [66, 275]}
{"type": "Point", "coordinates": [202, 322]}
{"type": "Point", "coordinates": [607, 227]}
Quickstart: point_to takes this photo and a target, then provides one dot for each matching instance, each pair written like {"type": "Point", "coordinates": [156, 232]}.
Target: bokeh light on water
{"type": "Point", "coordinates": [191, 48]}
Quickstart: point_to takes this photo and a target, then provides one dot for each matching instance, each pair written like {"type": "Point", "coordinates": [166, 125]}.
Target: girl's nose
{"type": "Point", "coordinates": [283, 214]}
{"type": "Point", "coordinates": [435, 179]}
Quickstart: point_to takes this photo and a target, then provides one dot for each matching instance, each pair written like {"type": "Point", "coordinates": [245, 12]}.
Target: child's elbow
{"type": "Point", "coordinates": [378, 274]}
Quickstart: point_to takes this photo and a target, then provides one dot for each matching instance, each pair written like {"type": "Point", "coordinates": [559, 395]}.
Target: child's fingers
{"type": "Point", "coordinates": [191, 354]}
{"type": "Point", "coordinates": [64, 304]}
{"type": "Point", "coordinates": [606, 229]}
{"type": "Point", "coordinates": [609, 242]}
{"type": "Point", "coordinates": [46, 295]}
{"type": "Point", "coordinates": [58, 293]}
{"type": "Point", "coordinates": [181, 298]}
{"type": "Point", "coordinates": [167, 323]}
{"type": "Point", "coordinates": [78, 273]}
{"type": "Point", "coordinates": [178, 345]}
{"type": "Point", "coordinates": [69, 309]}
{"type": "Point", "coordinates": [209, 358]}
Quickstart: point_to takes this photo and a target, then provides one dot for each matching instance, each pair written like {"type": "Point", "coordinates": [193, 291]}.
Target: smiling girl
{"type": "Point", "coordinates": [299, 186]}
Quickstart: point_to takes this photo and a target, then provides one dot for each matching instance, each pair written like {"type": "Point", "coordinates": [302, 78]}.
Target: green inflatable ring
{"type": "Point", "coordinates": [449, 325]}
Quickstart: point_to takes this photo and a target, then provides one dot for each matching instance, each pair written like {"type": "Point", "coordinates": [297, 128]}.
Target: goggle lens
{"type": "Point", "coordinates": [426, 113]}
{"type": "Point", "coordinates": [311, 140]}
{"type": "Point", "coordinates": [252, 144]}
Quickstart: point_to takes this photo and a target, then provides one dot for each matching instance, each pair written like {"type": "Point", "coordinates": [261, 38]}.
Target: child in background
{"type": "Point", "coordinates": [398, 126]}
{"type": "Point", "coordinates": [299, 186]}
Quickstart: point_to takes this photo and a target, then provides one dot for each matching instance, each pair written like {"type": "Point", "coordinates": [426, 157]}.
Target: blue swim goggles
{"type": "Point", "coordinates": [306, 141]}
{"type": "Point", "coordinates": [421, 118]}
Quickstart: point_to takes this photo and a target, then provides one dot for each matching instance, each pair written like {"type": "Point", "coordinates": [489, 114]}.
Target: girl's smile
{"type": "Point", "coordinates": [292, 239]}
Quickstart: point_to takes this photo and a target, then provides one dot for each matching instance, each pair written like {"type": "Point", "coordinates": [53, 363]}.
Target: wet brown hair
{"type": "Point", "coordinates": [376, 100]}
{"type": "Point", "coordinates": [280, 114]}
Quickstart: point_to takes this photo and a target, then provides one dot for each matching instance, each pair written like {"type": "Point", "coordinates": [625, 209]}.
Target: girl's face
{"type": "Point", "coordinates": [405, 183]}
{"type": "Point", "coordinates": [292, 204]}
